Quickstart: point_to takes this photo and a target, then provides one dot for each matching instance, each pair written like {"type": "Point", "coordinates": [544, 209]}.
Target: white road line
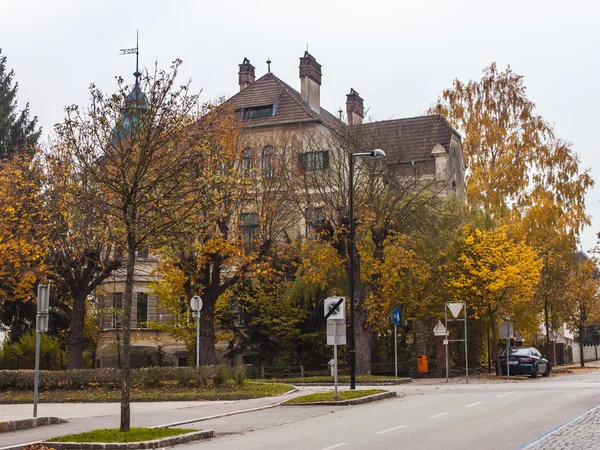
{"type": "Point", "coordinates": [473, 404]}
{"type": "Point", "coordinates": [438, 415]}
{"type": "Point", "coordinates": [391, 429]}
{"type": "Point", "coordinates": [341, 444]}
{"type": "Point", "coordinates": [504, 395]}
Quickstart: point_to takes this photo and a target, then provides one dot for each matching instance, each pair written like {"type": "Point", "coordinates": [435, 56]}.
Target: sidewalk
{"type": "Point", "coordinates": [580, 433]}
{"type": "Point", "coordinates": [86, 417]}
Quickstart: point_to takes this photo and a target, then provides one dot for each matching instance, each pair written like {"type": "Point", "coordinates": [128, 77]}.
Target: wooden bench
{"type": "Point", "coordinates": [281, 371]}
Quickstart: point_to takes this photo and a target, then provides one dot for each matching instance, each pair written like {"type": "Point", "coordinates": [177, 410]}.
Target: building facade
{"type": "Point", "coordinates": [284, 127]}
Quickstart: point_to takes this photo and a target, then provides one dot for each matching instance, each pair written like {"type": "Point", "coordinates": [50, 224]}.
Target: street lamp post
{"type": "Point", "coordinates": [351, 257]}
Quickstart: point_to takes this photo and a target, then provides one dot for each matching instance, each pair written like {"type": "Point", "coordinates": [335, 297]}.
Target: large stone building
{"type": "Point", "coordinates": [291, 126]}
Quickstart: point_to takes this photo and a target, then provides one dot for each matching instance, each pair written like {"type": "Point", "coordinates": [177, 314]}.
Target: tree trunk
{"type": "Point", "coordinates": [126, 325]}
{"type": "Point", "coordinates": [76, 325]}
{"type": "Point", "coordinates": [494, 349]}
{"type": "Point", "coordinates": [363, 336]}
{"type": "Point", "coordinates": [207, 332]}
{"type": "Point", "coordinates": [581, 340]}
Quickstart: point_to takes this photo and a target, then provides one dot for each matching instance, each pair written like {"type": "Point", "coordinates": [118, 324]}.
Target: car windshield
{"type": "Point", "coordinates": [518, 352]}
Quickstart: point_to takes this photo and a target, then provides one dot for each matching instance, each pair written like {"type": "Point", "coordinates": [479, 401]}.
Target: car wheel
{"type": "Point", "coordinates": [547, 372]}
{"type": "Point", "coordinates": [535, 372]}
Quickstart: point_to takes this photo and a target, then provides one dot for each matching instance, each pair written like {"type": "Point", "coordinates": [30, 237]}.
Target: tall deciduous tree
{"type": "Point", "coordinates": [497, 276]}
{"type": "Point", "coordinates": [520, 172]}
{"type": "Point", "coordinates": [583, 298]}
{"type": "Point", "coordinates": [17, 130]}
{"type": "Point", "coordinates": [22, 241]}
{"type": "Point", "coordinates": [139, 148]}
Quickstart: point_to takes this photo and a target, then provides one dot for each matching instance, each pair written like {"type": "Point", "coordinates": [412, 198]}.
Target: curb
{"type": "Point", "coordinates": [25, 424]}
{"type": "Point", "coordinates": [364, 383]}
{"type": "Point", "coordinates": [157, 443]}
{"type": "Point", "coordinates": [355, 401]}
{"type": "Point", "coordinates": [218, 416]}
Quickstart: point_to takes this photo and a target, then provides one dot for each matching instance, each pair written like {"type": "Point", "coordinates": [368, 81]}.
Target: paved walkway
{"type": "Point", "coordinates": [581, 433]}
{"type": "Point", "coordinates": [86, 417]}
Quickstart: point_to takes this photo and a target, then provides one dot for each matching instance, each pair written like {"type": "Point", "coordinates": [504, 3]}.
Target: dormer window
{"type": "Point", "coordinates": [255, 112]}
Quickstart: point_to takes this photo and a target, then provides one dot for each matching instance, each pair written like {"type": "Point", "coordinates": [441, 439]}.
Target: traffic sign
{"type": "Point", "coordinates": [440, 329]}
{"type": "Point", "coordinates": [396, 316]}
{"type": "Point", "coordinates": [455, 308]}
{"type": "Point", "coordinates": [196, 303]}
{"type": "Point", "coordinates": [335, 308]}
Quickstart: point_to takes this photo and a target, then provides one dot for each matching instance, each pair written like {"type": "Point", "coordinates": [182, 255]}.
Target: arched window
{"type": "Point", "coordinates": [269, 169]}
{"type": "Point", "coordinates": [247, 161]}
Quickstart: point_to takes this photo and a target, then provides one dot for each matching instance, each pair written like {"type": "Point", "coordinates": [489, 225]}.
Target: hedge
{"type": "Point", "coordinates": [111, 377]}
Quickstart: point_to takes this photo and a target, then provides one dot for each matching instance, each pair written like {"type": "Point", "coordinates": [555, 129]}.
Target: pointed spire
{"type": "Point", "coordinates": [137, 73]}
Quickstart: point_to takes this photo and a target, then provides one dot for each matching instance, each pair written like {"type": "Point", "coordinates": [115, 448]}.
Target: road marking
{"type": "Point", "coordinates": [391, 429]}
{"type": "Point", "coordinates": [504, 395]}
{"type": "Point", "coordinates": [341, 444]}
{"type": "Point", "coordinates": [438, 415]}
{"type": "Point", "coordinates": [473, 404]}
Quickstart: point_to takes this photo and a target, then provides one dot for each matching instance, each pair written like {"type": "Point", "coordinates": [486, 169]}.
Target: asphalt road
{"type": "Point", "coordinates": [484, 414]}
{"type": "Point", "coordinates": [478, 415]}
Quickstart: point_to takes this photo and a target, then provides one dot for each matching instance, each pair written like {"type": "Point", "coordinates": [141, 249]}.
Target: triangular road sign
{"type": "Point", "coordinates": [455, 308]}
{"type": "Point", "coordinates": [440, 329]}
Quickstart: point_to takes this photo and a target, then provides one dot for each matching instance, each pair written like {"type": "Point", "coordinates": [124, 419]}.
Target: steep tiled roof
{"type": "Point", "coordinates": [403, 140]}
{"type": "Point", "coordinates": [290, 106]}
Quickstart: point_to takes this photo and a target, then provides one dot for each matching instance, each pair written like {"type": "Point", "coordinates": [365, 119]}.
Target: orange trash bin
{"type": "Point", "coordinates": [422, 364]}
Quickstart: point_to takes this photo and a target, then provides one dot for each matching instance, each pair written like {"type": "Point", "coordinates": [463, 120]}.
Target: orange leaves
{"type": "Point", "coordinates": [495, 274]}
{"type": "Point", "coordinates": [22, 226]}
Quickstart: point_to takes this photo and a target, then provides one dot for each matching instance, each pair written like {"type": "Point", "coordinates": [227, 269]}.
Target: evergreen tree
{"type": "Point", "coordinates": [17, 131]}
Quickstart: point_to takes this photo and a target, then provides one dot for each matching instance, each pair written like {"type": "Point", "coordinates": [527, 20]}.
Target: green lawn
{"type": "Point", "coordinates": [328, 396]}
{"type": "Point", "coordinates": [164, 393]}
{"type": "Point", "coordinates": [114, 435]}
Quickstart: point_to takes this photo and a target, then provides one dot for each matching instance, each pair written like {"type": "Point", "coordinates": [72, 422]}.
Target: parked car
{"type": "Point", "coordinates": [525, 361]}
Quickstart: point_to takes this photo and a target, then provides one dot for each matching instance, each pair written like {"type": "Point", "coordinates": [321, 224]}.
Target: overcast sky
{"type": "Point", "coordinates": [399, 55]}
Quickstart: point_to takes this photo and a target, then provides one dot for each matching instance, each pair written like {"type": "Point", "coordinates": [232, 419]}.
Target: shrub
{"type": "Point", "coordinates": [239, 374]}
{"type": "Point", "coordinates": [223, 374]}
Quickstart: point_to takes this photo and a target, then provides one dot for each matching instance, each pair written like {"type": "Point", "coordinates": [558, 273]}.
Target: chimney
{"type": "Point", "coordinates": [354, 108]}
{"type": "Point", "coordinates": [310, 81]}
{"type": "Point", "coordinates": [246, 74]}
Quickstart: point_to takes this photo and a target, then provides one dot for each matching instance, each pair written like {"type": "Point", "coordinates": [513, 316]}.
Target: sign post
{"type": "Point", "coordinates": [41, 326]}
{"type": "Point", "coordinates": [196, 306]}
{"type": "Point", "coordinates": [455, 308]}
{"type": "Point", "coordinates": [396, 319]}
{"type": "Point", "coordinates": [335, 311]}
{"type": "Point", "coordinates": [507, 332]}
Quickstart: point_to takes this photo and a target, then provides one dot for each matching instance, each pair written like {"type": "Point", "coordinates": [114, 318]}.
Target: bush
{"type": "Point", "coordinates": [223, 375]}
{"type": "Point", "coordinates": [148, 377]}
{"type": "Point", "coordinates": [239, 374]}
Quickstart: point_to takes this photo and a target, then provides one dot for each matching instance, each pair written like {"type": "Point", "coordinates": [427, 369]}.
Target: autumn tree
{"type": "Point", "coordinates": [583, 298]}
{"type": "Point", "coordinates": [139, 148]}
{"type": "Point", "coordinates": [17, 130]}
{"type": "Point", "coordinates": [22, 241]}
{"type": "Point", "coordinates": [497, 277]}
{"type": "Point", "coordinates": [242, 225]}
{"type": "Point", "coordinates": [388, 199]}
{"type": "Point", "coordinates": [80, 254]}
{"type": "Point", "coordinates": [520, 172]}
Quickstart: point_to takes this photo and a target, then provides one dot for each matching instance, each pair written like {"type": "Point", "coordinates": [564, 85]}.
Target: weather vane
{"type": "Point", "coordinates": [136, 51]}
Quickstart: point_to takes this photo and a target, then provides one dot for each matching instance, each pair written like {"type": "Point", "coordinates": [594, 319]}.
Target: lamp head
{"type": "Point", "coordinates": [378, 153]}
